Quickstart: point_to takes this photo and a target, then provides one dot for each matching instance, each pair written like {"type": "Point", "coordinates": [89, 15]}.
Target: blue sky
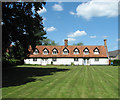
{"type": "Point", "coordinates": [89, 22]}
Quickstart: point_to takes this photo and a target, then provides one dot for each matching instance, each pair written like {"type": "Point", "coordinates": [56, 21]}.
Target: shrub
{"type": "Point", "coordinates": [72, 64]}
{"type": "Point", "coordinates": [116, 63]}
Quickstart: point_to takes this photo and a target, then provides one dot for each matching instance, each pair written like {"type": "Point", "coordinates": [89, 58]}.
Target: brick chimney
{"type": "Point", "coordinates": [66, 42]}
{"type": "Point", "coordinates": [105, 42]}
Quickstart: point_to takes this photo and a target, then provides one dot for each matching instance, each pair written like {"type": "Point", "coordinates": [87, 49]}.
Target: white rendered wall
{"type": "Point", "coordinates": [102, 61]}
{"type": "Point", "coordinates": [67, 61]}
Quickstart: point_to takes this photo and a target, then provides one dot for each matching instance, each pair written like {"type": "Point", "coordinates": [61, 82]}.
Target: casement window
{"type": "Point", "coordinates": [54, 51]}
{"type": "Point", "coordinates": [54, 59]}
{"type": "Point", "coordinates": [76, 51]}
{"type": "Point", "coordinates": [45, 51]}
{"type": "Point", "coordinates": [96, 59]}
{"type": "Point", "coordinates": [34, 59]}
{"type": "Point", "coordinates": [75, 59]}
{"type": "Point", "coordinates": [65, 51]}
{"type": "Point", "coordinates": [36, 51]}
{"type": "Point", "coordinates": [44, 59]}
{"type": "Point", "coordinates": [86, 51]}
{"type": "Point", "coordinates": [96, 51]}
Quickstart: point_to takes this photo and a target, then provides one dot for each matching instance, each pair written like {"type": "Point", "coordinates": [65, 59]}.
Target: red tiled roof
{"type": "Point", "coordinates": [102, 50]}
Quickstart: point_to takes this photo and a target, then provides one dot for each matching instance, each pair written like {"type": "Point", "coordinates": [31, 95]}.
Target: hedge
{"type": "Point", "coordinates": [116, 63]}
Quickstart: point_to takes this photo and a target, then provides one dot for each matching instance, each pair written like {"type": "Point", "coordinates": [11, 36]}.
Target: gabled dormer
{"type": "Point", "coordinates": [45, 51]}
{"type": "Point", "coordinates": [96, 51]}
{"type": "Point", "coordinates": [36, 51]}
{"type": "Point", "coordinates": [65, 51]}
{"type": "Point", "coordinates": [76, 51]}
{"type": "Point", "coordinates": [86, 51]}
{"type": "Point", "coordinates": [54, 51]}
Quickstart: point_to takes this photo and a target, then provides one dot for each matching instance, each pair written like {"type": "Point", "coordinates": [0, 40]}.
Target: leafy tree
{"type": "Point", "coordinates": [47, 42]}
{"type": "Point", "coordinates": [21, 25]}
{"type": "Point", "coordinates": [80, 44]}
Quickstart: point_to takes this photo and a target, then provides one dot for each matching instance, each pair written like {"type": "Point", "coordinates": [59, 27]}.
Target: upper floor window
{"type": "Point", "coordinates": [96, 59]}
{"type": "Point", "coordinates": [76, 51]}
{"type": "Point", "coordinates": [65, 51]}
{"type": "Point", "coordinates": [34, 59]}
{"type": "Point", "coordinates": [86, 51]}
{"type": "Point", "coordinates": [96, 51]}
{"type": "Point", "coordinates": [75, 59]}
{"type": "Point", "coordinates": [54, 51]}
{"type": "Point", "coordinates": [45, 51]}
{"type": "Point", "coordinates": [36, 51]}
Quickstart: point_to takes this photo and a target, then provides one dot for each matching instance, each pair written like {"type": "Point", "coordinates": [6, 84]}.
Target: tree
{"type": "Point", "coordinates": [47, 42]}
{"type": "Point", "coordinates": [21, 25]}
{"type": "Point", "coordinates": [80, 44]}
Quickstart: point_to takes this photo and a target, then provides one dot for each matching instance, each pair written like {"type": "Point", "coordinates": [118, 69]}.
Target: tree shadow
{"type": "Point", "coordinates": [21, 75]}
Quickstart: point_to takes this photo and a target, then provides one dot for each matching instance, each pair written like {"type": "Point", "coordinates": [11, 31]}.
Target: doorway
{"type": "Point", "coordinates": [86, 61]}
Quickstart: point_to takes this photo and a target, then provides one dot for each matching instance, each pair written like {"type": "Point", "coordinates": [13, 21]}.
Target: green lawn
{"type": "Point", "coordinates": [60, 82]}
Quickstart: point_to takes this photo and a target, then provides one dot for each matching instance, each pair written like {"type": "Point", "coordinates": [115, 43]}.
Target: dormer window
{"type": "Point", "coordinates": [45, 51]}
{"type": "Point", "coordinates": [36, 51]}
{"type": "Point", "coordinates": [65, 51]}
{"type": "Point", "coordinates": [76, 51]}
{"type": "Point", "coordinates": [86, 51]}
{"type": "Point", "coordinates": [96, 51]}
{"type": "Point", "coordinates": [54, 51]}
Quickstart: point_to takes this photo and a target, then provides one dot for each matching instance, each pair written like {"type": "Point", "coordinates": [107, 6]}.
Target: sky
{"type": "Point", "coordinates": [87, 22]}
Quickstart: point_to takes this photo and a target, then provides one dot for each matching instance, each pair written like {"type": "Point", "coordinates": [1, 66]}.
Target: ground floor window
{"type": "Point", "coordinates": [75, 59]}
{"type": "Point", "coordinates": [34, 59]}
{"type": "Point", "coordinates": [96, 59]}
{"type": "Point", "coordinates": [44, 59]}
{"type": "Point", "coordinates": [54, 59]}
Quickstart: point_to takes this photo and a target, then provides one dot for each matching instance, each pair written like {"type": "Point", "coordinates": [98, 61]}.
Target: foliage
{"type": "Point", "coordinates": [116, 63]}
{"type": "Point", "coordinates": [21, 25]}
{"type": "Point", "coordinates": [80, 44]}
{"type": "Point", "coordinates": [47, 42]}
{"type": "Point", "coordinates": [72, 64]}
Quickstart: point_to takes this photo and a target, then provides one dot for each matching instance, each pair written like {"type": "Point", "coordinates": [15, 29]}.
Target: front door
{"type": "Point", "coordinates": [86, 61]}
{"type": "Point", "coordinates": [44, 61]}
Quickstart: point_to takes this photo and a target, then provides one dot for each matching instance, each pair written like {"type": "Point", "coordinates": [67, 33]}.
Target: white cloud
{"type": "Point", "coordinates": [72, 13]}
{"type": "Point", "coordinates": [105, 36]}
{"type": "Point", "coordinates": [93, 36]}
{"type": "Point", "coordinates": [71, 39]}
{"type": "Point", "coordinates": [97, 8]}
{"type": "Point", "coordinates": [57, 7]}
{"type": "Point", "coordinates": [42, 10]}
{"type": "Point", "coordinates": [77, 33]}
{"type": "Point", "coordinates": [49, 29]}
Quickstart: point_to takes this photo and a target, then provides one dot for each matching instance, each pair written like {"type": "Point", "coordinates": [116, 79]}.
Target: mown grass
{"type": "Point", "coordinates": [60, 82]}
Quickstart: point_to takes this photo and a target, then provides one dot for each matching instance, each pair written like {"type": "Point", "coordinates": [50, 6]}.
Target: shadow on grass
{"type": "Point", "coordinates": [21, 75]}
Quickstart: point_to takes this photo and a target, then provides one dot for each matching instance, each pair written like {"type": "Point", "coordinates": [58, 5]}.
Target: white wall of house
{"type": "Point", "coordinates": [102, 61]}
{"type": "Point", "coordinates": [68, 61]}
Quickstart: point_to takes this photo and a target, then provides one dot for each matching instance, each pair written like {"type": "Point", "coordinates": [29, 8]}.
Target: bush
{"type": "Point", "coordinates": [72, 64]}
{"type": "Point", "coordinates": [12, 62]}
{"type": "Point", "coordinates": [116, 63]}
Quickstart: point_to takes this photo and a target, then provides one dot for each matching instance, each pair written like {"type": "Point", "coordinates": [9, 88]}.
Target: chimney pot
{"type": "Point", "coordinates": [105, 42]}
{"type": "Point", "coordinates": [66, 42]}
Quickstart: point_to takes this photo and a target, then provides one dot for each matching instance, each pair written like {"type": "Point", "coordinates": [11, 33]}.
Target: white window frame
{"type": "Point", "coordinates": [65, 51]}
{"type": "Point", "coordinates": [54, 52]}
{"type": "Point", "coordinates": [54, 59]}
{"type": "Point", "coordinates": [96, 59]}
{"type": "Point", "coordinates": [86, 51]}
{"type": "Point", "coordinates": [76, 59]}
{"type": "Point", "coordinates": [76, 51]}
{"type": "Point", "coordinates": [96, 52]}
{"type": "Point", "coordinates": [36, 51]}
{"type": "Point", "coordinates": [45, 52]}
{"type": "Point", "coordinates": [34, 59]}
